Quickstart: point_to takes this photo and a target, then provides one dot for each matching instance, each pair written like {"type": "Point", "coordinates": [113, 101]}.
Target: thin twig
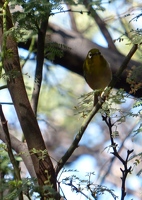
{"type": "Point", "coordinates": [114, 158]}
{"type": "Point", "coordinates": [70, 10]}
{"type": "Point", "coordinates": [126, 169]}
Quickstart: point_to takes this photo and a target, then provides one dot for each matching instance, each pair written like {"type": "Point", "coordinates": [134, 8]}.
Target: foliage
{"type": "Point", "coordinates": [28, 23]}
{"type": "Point", "coordinates": [11, 187]}
{"type": "Point", "coordinates": [134, 78]}
{"type": "Point", "coordinates": [55, 49]}
{"type": "Point", "coordinates": [5, 166]}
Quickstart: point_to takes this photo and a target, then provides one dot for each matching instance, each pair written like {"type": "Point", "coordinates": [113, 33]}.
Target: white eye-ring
{"type": "Point", "coordinates": [89, 55]}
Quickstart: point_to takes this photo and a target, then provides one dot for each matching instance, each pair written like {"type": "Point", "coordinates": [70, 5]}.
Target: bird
{"type": "Point", "coordinates": [97, 72]}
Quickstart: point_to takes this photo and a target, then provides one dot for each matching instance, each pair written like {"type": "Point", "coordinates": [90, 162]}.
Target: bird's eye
{"type": "Point", "coordinates": [89, 55]}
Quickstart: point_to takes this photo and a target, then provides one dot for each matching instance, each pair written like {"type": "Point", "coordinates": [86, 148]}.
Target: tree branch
{"type": "Point", "coordinates": [39, 65]}
{"type": "Point", "coordinates": [102, 26]}
{"type": "Point", "coordinates": [21, 149]}
{"type": "Point", "coordinates": [10, 153]}
{"type": "Point", "coordinates": [114, 158]}
{"type": "Point", "coordinates": [126, 169]}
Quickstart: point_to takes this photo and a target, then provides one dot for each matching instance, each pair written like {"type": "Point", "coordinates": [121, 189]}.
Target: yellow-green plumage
{"type": "Point", "coordinates": [97, 71]}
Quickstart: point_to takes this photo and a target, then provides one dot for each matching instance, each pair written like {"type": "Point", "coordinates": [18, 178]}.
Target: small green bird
{"type": "Point", "coordinates": [97, 71]}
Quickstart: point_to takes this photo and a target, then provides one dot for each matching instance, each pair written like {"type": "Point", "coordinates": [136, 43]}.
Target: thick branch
{"type": "Point", "coordinates": [73, 59]}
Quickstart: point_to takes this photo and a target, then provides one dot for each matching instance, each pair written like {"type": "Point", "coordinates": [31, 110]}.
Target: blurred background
{"type": "Point", "coordinates": [58, 115]}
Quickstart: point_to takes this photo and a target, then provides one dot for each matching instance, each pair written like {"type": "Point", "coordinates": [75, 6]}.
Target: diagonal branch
{"type": "Point", "coordinates": [21, 149]}
{"type": "Point", "coordinates": [102, 26]}
{"type": "Point", "coordinates": [10, 153]}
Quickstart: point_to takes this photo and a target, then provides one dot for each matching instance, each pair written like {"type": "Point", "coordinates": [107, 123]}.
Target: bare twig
{"type": "Point", "coordinates": [70, 10]}
{"type": "Point", "coordinates": [114, 158]}
{"type": "Point", "coordinates": [126, 169]}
